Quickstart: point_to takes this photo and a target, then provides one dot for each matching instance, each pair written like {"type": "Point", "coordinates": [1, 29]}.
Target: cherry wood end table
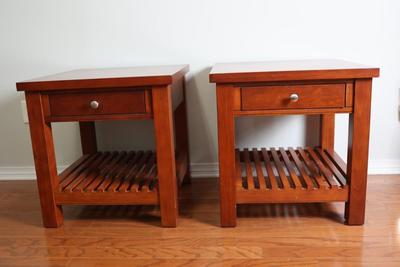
{"type": "Point", "coordinates": [294, 175]}
{"type": "Point", "coordinates": [119, 177]}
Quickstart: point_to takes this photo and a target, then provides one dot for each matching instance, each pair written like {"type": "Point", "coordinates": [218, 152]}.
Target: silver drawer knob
{"type": "Point", "coordinates": [94, 104]}
{"type": "Point", "coordinates": [294, 97]}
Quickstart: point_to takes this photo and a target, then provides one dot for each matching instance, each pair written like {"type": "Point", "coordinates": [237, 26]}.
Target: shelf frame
{"type": "Point", "coordinates": [289, 176]}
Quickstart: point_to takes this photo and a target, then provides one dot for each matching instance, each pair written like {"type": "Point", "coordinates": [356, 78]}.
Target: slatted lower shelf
{"type": "Point", "coordinates": [290, 175]}
{"type": "Point", "coordinates": [110, 178]}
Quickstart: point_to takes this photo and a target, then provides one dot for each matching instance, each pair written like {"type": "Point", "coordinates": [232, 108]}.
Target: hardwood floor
{"type": "Point", "coordinates": [275, 235]}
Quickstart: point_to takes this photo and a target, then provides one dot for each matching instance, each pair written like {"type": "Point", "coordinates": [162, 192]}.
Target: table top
{"type": "Point", "coordinates": [106, 78]}
{"type": "Point", "coordinates": [285, 70]}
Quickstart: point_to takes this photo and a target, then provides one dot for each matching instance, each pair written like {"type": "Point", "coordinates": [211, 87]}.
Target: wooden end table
{"type": "Point", "coordinates": [115, 178]}
{"type": "Point", "coordinates": [291, 175]}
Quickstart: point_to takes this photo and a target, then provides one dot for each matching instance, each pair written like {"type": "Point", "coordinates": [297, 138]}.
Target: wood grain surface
{"type": "Point", "coordinates": [267, 235]}
{"type": "Point", "coordinates": [286, 70]}
{"type": "Point", "coordinates": [106, 78]}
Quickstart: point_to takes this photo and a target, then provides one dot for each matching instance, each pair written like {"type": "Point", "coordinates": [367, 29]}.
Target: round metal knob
{"type": "Point", "coordinates": [294, 97]}
{"type": "Point", "coordinates": [94, 104]}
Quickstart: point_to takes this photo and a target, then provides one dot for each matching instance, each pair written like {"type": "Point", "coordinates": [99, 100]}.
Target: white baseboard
{"type": "Point", "coordinates": [374, 167]}
{"type": "Point", "coordinates": [389, 166]}
{"type": "Point", "coordinates": [198, 170]}
{"type": "Point", "coordinates": [20, 173]}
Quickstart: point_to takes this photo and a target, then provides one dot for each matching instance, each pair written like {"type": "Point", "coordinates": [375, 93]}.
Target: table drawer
{"type": "Point", "coordinates": [293, 96]}
{"type": "Point", "coordinates": [97, 103]}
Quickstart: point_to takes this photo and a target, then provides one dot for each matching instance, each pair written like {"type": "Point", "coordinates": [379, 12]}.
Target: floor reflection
{"type": "Point", "coordinates": [333, 211]}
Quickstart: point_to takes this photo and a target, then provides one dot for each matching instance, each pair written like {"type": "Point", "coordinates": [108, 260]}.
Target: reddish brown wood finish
{"type": "Point", "coordinates": [357, 156]}
{"type": "Point", "coordinates": [104, 178]}
{"type": "Point", "coordinates": [327, 131]}
{"type": "Point", "coordinates": [88, 137]}
{"type": "Point", "coordinates": [290, 70]}
{"type": "Point", "coordinates": [278, 96]}
{"type": "Point", "coordinates": [295, 189]}
{"type": "Point", "coordinates": [163, 124]}
{"type": "Point", "coordinates": [106, 78]}
{"type": "Point", "coordinates": [301, 175]}
{"type": "Point", "coordinates": [45, 161]}
{"type": "Point", "coordinates": [110, 177]}
{"type": "Point", "coordinates": [226, 153]}
{"type": "Point", "coordinates": [100, 117]}
{"type": "Point", "coordinates": [181, 130]}
{"type": "Point", "coordinates": [110, 102]}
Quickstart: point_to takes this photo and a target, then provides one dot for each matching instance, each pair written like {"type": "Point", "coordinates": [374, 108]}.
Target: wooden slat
{"type": "Point", "coordinates": [308, 180]}
{"type": "Point", "coordinates": [135, 176]}
{"type": "Point", "coordinates": [309, 177]}
{"type": "Point", "coordinates": [279, 167]}
{"type": "Point", "coordinates": [268, 166]}
{"type": "Point", "coordinates": [327, 173]}
{"type": "Point", "coordinates": [95, 174]}
{"type": "Point", "coordinates": [82, 167]}
{"type": "Point", "coordinates": [86, 171]}
{"type": "Point", "coordinates": [339, 162]}
{"type": "Point", "coordinates": [153, 181]}
{"type": "Point", "coordinates": [239, 179]}
{"type": "Point", "coordinates": [147, 183]}
{"type": "Point", "coordinates": [332, 167]}
{"type": "Point", "coordinates": [108, 179]}
{"type": "Point", "coordinates": [142, 173]}
{"type": "Point", "coordinates": [65, 173]}
{"type": "Point", "coordinates": [143, 180]}
{"type": "Point", "coordinates": [120, 177]}
{"type": "Point", "coordinates": [260, 175]}
{"type": "Point", "coordinates": [292, 172]}
{"type": "Point", "coordinates": [313, 169]}
{"type": "Point", "coordinates": [131, 175]}
{"type": "Point", "coordinates": [249, 171]}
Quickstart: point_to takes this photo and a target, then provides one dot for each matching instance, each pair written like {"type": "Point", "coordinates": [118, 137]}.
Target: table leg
{"type": "Point", "coordinates": [88, 137]}
{"type": "Point", "coordinates": [45, 163]}
{"type": "Point", "coordinates": [226, 153]}
{"type": "Point", "coordinates": [357, 159]}
{"type": "Point", "coordinates": [163, 124]}
{"type": "Point", "coordinates": [181, 132]}
{"type": "Point", "coordinates": [327, 131]}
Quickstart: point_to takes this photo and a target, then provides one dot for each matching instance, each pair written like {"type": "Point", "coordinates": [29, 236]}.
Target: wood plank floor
{"type": "Point", "coordinates": [266, 235]}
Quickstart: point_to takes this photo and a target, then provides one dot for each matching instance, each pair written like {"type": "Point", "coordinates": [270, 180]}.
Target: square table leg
{"type": "Point", "coordinates": [327, 131]}
{"type": "Point", "coordinates": [45, 162]}
{"type": "Point", "coordinates": [181, 132]}
{"type": "Point", "coordinates": [88, 137]}
{"type": "Point", "coordinates": [165, 151]}
{"type": "Point", "coordinates": [357, 159]}
{"type": "Point", "coordinates": [226, 153]}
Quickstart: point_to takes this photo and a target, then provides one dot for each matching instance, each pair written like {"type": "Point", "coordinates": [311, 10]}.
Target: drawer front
{"type": "Point", "coordinates": [293, 96]}
{"type": "Point", "coordinates": [98, 103]}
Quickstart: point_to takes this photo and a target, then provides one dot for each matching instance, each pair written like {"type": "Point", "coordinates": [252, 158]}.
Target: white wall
{"type": "Point", "coordinates": [46, 36]}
